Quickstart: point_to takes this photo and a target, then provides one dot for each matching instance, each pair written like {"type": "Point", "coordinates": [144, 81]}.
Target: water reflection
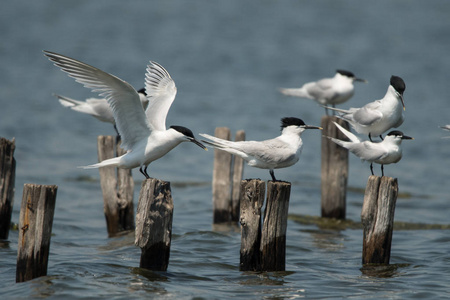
{"type": "Point", "coordinates": [382, 271]}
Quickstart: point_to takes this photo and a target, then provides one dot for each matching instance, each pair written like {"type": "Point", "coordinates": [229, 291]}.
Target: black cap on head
{"type": "Point", "coordinates": [398, 84]}
{"type": "Point", "coordinates": [183, 130]}
{"type": "Point", "coordinates": [395, 132]}
{"type": "Point", "coordinates": [291, 121]}
{"type": "Point", "coordinates": [345, 73]}
{"type": "Point", "coordinates": [142, 91]}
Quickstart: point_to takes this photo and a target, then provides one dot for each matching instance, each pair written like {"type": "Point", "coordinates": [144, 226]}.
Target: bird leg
{"type": "Point", "coordinates": [273, 175]}
{"type": "Point", "coordinates": [381, 137]}
{"type": "Point", "coordinates": [371, 168]}
{"type": "Point", "coordinates": [118, 134]}
{"type": "Point", "coordinates": [382, 170]}
{"type": "Point", "coordinates": [370, 138]}
{"type": "Point", "coordinates": [144, 172]}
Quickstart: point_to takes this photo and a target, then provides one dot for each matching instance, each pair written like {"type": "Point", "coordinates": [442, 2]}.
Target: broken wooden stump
{"type": "Point", "coordinates": [35, 228]}
{"type": "Point", "coordinates": [7, 181]}
{"type": "Point", "coordinates": [377, 217]}
{"type": "Point", "coordinates": [227, 175]}
{"type": "Point", "coordinates": [334, 169]}
{"type": "Point", "coordinates": [252, 199]}
{"type": "Point", "coordinates": [154, 224]}
{"type": "Point", "coordinates": [117, 188]}
{"type": "Point", "coordinates": [263, 248]}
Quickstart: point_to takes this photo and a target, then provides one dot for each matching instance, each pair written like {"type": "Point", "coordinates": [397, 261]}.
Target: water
{"type": "Point", "coordinates": [227, 58]}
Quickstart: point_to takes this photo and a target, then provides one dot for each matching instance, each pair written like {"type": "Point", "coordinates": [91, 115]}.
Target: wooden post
{"type": "Point", "coordinates": [154, 224]}
{"type": "Point", "coordinates": [35, 228]}
{"type": "Point", "coordinates": [377, 217]}
{"type": "Point", "coordinates": [238, 170]}
{"type": "Point", "coordinates": [7, 181]}
{"type": "Point", "coordinates": [117, 187]}
{"type": "Point", "coordinates": [273, 240]}
{"type": "Point", "coordinates": [252, 199]}
{"type": "Point", "coordinates": [221, 188]}
{"type": "Point", "coordinates": [334, 171]}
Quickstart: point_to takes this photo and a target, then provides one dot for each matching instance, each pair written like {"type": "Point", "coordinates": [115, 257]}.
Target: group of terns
{"type": "Point", "coordinates": [139, 118]}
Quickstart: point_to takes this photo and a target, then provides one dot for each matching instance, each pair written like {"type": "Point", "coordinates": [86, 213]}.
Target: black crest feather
{"type": "Point", "coordinates": [346, 73]}
{"type": "Point", "coordinates": [183, 130]}
{"type": "Point", "coordinates": [291, 121]}
{"type": "Point", "coordinates": [398, 84]}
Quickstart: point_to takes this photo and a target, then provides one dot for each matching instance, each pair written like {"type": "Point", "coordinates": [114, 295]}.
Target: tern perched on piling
{"type": "Point", "coordinates": [327, 91]}
{"type": "Point", "coordinates": [375, 118]}
{"type": "Point", "coordinates": [98, 107]}
{"type": "Point", "coordinates": [144, 134]}
{"type": "Point", "coordinates": [280, 152]}
{"type": "Point", "coordinates": [385, 152]}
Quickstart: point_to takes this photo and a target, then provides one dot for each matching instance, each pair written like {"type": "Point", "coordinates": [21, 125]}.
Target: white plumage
{"type": "Point", "coordinates": [143, 133]}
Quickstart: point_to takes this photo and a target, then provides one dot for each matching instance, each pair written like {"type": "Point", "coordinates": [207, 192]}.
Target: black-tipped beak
{"type": "Point", "coordinates": [198, 143]}
{"type": "Point", "coordinates": [405, 137]}
{"type": "Point", "coordinates": [312, 127]}
{"type": "Point", "coordinates": [361, 80]}
{"type": "Point", "coordinates": [401, 99]}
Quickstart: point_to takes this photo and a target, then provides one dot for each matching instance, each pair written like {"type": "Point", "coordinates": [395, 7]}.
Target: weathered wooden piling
{"type": "Point", "coordinates": [238, 170]}
{"type": "Point", "coordinates": [35, 228]}
{"type": "Point", "coordinates": [263, 247]}
{"type": "Point", "coordinates": [227, 176]}
{"type": "Point", "coordinates": [7, 181]}
{"type": "Point", "coordinates": [154, 224]}
{"type": "Point", "coordinates": [334, 169]}
{"type": "Point", "coordinates": [377, 217]}
{"type": "Point", "coordinates": [273, 239]}
{"type": "Point", "coordinates": [252, 199]}
{"type": "Point", "coordinates": [117, 188]}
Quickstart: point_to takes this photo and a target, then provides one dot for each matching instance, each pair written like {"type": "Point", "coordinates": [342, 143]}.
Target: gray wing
{"type": "Point", "coordinates": [320, 89]}
{"type": "Point", "coordinates": [368, 114]}
{"type": "Point", "coordinates": [368, 151]}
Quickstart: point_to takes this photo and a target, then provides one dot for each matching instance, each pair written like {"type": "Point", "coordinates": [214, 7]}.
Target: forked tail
{"type": "Point", "coordinates": [112, 162]}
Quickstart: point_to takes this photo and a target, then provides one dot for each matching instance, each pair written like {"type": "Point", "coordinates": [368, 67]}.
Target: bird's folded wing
{"type": "Point", "coordinates": [368, 151]}
{"type": "Point", "coordinates": [121, 96]}
{"type": "Point", "coordinates": [368, 114]}
{"type": "Point", "coordinates": [161, 92]}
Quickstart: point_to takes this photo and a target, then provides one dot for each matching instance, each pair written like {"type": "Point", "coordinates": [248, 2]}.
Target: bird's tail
{"type": "Point", "coordinates": [347, 133]}
{"type": "Point", "coordinates": [112, 162]}
{"type": "Point", "coordinates": [67, 102]}
{"type": "Point", "coordinates": [339, 110]}
{"type": "Point", "coordinates": [301, 92]}
{"type": "Point", "coordinates": [339, 142]}
{"type": "Point", "coordinates": [215, 141]}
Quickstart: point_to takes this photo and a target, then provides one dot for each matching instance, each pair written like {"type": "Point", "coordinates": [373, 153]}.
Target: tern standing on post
{"type": "Point", "coordinates": [280, 152]}
{"type": "Point", "coordinates": [375, 118]}
{"type": "Point", "coordinates": [385, 152]}
{"type": "Point", "coordinates": [143, 133]}
{"type": "Point", "coordinates": [327, 91]}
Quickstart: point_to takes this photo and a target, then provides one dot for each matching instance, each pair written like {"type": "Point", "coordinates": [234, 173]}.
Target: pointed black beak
{"type": "Point", "coordinates": [405, 137]}
{"type": "Point", "coordinates": [197, 143]}
{"type": "Point", "coordinates": [361, 80]}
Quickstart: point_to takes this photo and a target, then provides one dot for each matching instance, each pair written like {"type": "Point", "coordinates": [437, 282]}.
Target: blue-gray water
{"type": "Point", "coordinates": [227, 58]}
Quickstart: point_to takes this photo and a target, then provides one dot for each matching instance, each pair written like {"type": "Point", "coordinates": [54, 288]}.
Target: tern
{"type": "Point", "coordinates": [280, 152]}
{"type": "Point", "coordinates": [386, 152]}
{"type": "Point", "coordinates": [375, 118]}
{"type": "Point", "coordinates": [447, 128]}
{"type": "Point", "coordinates": [97, 107]}
{"type": "Point", "coordinates": [144, 134]}
{"type": "Point", "coordinates": [327, 91]}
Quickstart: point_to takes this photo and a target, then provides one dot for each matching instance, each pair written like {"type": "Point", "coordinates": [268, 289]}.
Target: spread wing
{"type": "Point", "coordinates": [121, 96]}
{"type": "Point", "coordinates": [161, 92]}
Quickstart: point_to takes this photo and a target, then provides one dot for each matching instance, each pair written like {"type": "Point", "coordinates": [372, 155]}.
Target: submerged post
{"type": "Point", "coordinates": [35, 228]}
{"type": "Point", "coordinates": [334, 169]}
{"type": "Point", "coordinates": [7, 181]}
{"type": "Point", "coordinates": [154, 224]}
{"type": "Point", "coordinates": [252, 199]}
{"type": "Point", "coordinates": [238, 170]}
{"type": "Point", "coordinates": [377, 217]}
{"type": "Point", "coordinates": [273, 240]}
{"type": "Point", "coordinates": [117, 188]}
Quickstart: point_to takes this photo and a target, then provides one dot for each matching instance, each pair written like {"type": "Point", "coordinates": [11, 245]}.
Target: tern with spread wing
{"type": "Point", "coordinates": [385, 152]}
{"type": "Point", "coordinates": [375, 118]}
{"type": "Point", "coordinates": [97, 107]}
{"type": "Point", "coordinates": [143, 133]}
{"type": "Point", "coordinates": [327, 91]}
{"type": "Point", "coordinates": [280, 152]}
